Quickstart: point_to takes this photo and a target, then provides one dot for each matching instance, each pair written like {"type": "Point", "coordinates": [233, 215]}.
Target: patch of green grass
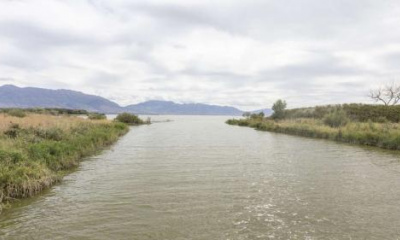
{"type": "Point", "coordinates": [35, 157]}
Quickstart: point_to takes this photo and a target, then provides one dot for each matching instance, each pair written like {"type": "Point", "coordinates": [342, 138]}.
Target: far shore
{"type": "Point", "coordinates": [370, 125]}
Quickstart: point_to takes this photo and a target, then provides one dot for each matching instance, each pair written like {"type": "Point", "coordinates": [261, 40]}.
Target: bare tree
{"type": "Point", "coordinates": [388, 95]}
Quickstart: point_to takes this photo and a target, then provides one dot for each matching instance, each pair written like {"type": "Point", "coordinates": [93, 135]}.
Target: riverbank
{"type": "Point", "coordinates": [383, 135]}
{"type": "Point", "coordinates": [37, 150]}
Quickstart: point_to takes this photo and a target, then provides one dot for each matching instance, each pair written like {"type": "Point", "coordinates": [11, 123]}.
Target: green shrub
{"type": "Point", "coordinates": [97, 116]}
{"type": "Point", "coordinates": [336, 119]}
{"type": "Point", "coordinates": [257, 116]}
{"type": "Point", "coordinates": [11, 157]}
{"type": "Point", "coordinates": [129, 119]}
{"type": "Point", "coordinates": [55, 134]}
{"type": "Point", "coordinates": [14, 131]}
{"type": "Point", "coordinates": [17, 113]}
{"type": "Point", "coordinates": [231, 121]}
{"type": "Point", "coordinates": [382, 119]}
{"type": "Point", "coordinates": [120, 126]}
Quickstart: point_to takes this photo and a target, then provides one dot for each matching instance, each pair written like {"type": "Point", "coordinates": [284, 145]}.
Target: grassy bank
{"type": "Point", "coordinates": [36, 150]}
{"type": "Point", "coordinates": [384, 135]}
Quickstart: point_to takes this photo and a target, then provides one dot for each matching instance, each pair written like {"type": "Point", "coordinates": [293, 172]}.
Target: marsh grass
{"type": "Point", "coordinates": [384, 135]}
{"type": "Point", "coordinates": [37, 150]}
{"type": "Point", "coordinates": [64, 122]}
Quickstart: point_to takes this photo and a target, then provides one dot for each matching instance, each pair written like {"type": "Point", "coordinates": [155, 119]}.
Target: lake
{"type": "Point", "coordinates": [197, 178]}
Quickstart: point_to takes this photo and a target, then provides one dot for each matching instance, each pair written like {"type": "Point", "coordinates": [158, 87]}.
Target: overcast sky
{"type": "Point", "coordinates": [245, 54]}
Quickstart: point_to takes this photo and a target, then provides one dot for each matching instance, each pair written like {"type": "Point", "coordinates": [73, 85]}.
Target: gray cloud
{"type": "Point", "coordinates": [245, 54]}
{"type": "Point", "coordinates": [392, 59]}
{"type": "Point", "coordinates": [31, 36]}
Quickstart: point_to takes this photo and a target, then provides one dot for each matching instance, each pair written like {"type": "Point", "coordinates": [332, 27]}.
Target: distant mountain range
{"type": "Point", "coordinates": [29, 97]}
{"type": "Point", "coordinates": [12, 96]}
{"type": "Point", "coordinates": [167, 107]}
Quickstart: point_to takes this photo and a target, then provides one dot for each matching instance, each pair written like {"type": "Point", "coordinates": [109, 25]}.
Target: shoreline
{"type": "Point", "coordinates": [380, 135]}
{"type": "Point", "coordinates": [35, 157]}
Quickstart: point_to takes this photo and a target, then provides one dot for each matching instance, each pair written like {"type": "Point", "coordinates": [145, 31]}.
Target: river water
{"type": "Point", "coordinates": [198, 178]}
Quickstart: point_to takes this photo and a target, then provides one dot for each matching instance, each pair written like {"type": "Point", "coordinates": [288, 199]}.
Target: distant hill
{"type": "Point", "coordinates": [266, 111]}
{"type": "Point", "coordinates": [29, 97]}
{"type": "Point", "coordinates": [167, 107]}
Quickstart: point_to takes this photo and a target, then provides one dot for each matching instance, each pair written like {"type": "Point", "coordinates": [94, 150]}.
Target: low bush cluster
{"type": "Point", "coordinates": [129, 119]}
{"type": "Point", "coordinates": [336, 119]}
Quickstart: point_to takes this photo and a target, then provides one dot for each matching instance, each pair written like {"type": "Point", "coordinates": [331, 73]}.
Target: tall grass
{"type": "Point", "coordinates": [37, 150]}
{"type": "Point", "coordinates": [355, 112]}
{"type": "Point", "coordinates": [383, 135]}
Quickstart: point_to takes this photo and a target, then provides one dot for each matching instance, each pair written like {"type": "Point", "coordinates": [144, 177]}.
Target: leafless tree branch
{"type": "Point", "coordinates": [388, 95]}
